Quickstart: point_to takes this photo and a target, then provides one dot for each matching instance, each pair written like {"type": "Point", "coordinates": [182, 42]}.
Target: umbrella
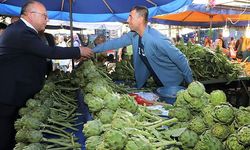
{"type": "Point", "coordinates": [94, 10]}
{"type": "Point", "coordinates": [199, 15]}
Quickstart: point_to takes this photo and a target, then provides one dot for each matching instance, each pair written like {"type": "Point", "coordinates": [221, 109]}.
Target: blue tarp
{"type": "Point", "coordinates": [86, 116]}
{"type": "Point", "coordinates": [95, 10]}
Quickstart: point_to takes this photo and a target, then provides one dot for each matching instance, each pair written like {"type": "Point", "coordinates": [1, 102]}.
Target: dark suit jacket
{"type": "Point", "coordinates": [23, 63]}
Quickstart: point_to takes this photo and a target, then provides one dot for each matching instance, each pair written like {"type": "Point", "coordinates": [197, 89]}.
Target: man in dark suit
{"type": "Point", "coordinates": [23, 65]}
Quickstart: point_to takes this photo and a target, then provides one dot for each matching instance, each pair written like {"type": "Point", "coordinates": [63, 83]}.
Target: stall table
{"type": "Point", "coordinates": [237, 91]}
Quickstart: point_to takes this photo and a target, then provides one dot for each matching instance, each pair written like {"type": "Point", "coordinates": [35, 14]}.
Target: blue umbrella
{"type": "Point", "coordinates": [95, 10]}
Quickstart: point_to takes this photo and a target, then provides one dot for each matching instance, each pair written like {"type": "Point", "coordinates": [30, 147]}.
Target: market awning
{"type": "Point", "coordinates": [200, 14]}
{"type": "Point", "coordinates": [95, 10]}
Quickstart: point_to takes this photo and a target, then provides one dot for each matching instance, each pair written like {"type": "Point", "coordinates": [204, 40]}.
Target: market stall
{"type": "Point", "coordinates": [202, 15]}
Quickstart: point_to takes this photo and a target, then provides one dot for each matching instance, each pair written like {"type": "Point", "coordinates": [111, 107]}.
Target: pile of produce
{"type": "Point", "coordinates": [124, 71]}
{"type": "Point", "coordinates": [246, 67]}
{"type": "Point", "coordinates": [48, 120]}
{"type": "Point", "coordinates": [210, 122]}
{"type": "Point", "coordinates": [207, 64]}
{"type": "Point", "coordinates": [119, 123]}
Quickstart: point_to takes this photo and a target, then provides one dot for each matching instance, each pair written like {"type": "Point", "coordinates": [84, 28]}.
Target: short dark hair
{"type": "Point", "coordinates": [26, 5]}
{"type": "Point", "coordinates": [141, 11]}
{"type": "Point", "coordinates": [3, 25]}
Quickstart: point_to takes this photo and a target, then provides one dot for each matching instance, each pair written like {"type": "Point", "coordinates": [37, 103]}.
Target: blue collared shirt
{"type": "Point", "coordinates": [168, 63]}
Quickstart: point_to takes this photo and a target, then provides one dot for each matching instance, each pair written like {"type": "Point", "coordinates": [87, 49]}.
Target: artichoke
{"type": "Point", "coordinates": [138, 143]}
{"type": "Point", "coordinates": [88, 98]}
{"type": "Point", "coordinates": [99, 90]}
{"type": "Point", "coordinates": [181, 113]}
{"type": "Point", "coordinates": [188, 138]}
{"type": "Point", "coordinates": [196, 89]}
{"type": "Point", "coordinates": [19, 146]}
{"type": "Point", "coordinates": [33, 103]}
{"type": "Point", "coordinates": [224, 113]}
{"type": "Point", "coordinates": [112, 101]}
{"type": "Point", "coordinates": [220, 131]}
{"type": "Point", "coordinates": [242, 116]}
{"type": "Point", "coordinates": [35, 146]}
{"type": "Point", "coordinates": [243, 135]}
{"type": "Point", "coordinates": [127, 102]}
{"type": "Point", "coordinates": [123, 119]}
{"type": "Point", "coordinates": [208, 142]}
{"type": "Point", "coordinates": [197, 125]}
{"type": "Point", "coordinates": [188, 98]}
{"type": "Point", "coordinates": [92, 142]}
{"type": "Point", "coordinates": [207, 115]}
{"type": "Point", "coordinates": [217, 97]}
{"type": "Point", "coordinates": [232, 143]}
{"type": "Point", "coordinates": [197, 104]}
{"type": "Point", "coordinates": [92, 128]}
{"type": "Point", "coordinates": [105, 115]}
{"type": "Point", "coordinates": [96, 104]}
{"type": "Point", "coordinates": [180, 101]}
{"type": "Point", "coordinates": [115, 139]}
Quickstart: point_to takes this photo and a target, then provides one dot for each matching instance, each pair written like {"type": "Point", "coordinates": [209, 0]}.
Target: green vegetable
{"type": "Point", "coordinates": [243, 135]}
{"type": "Point", "coordinates": [112, 101]}
{"type": "Point", "coordinates": [220, 131]}
{"type": "Point", "coordinates": [181, 113]}
{"type": "Point", "coordinates": [232, 143]}
{"type": "Point", "coordinates": [105, 116]}
{"type": "Point", "coordinates": [242, 116]}
{"type": "Point", "coordinates": [208, 142]}
{"type": "Point", "coordinates": [138, 143]}
{"type": "Point", "coordinates": [196, 89]}
{"type": "Point", "coordinates": [207, 115]}
{"type": "Point", "coordinates": [92, 128]}
{"type": "Point", "coordinates": [127, 102]}
{"type": "Point", "coordinates": [35, 146]}
{"type": "Point", "coordinates": [224, 113]}
{"type": "Point", "coordinates": [92, 142]}
{"type": "Point", "coordinates": [217, 97]}
{"type": "Point", "coordinates": [197, 125]}
{"type": "Point", "coordinates": [115, 139]}
{"type": "Point", "coordinates": [189, 138]}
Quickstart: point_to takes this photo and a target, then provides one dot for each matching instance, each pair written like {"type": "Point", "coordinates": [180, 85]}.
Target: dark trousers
{"type": "Point", "coordinates": [8, 116]}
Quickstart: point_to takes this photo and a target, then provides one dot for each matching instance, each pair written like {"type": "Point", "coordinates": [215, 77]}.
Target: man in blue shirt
{"type": "Point", "coordinates": [153, 53]}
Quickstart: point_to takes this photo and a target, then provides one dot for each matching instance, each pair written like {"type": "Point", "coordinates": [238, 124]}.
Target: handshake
{"type": "Point", "coordinates": [86, 52]}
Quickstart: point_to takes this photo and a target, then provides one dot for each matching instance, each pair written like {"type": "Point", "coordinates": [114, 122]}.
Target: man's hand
{"type": "Point", "coordinates": [86, 52]}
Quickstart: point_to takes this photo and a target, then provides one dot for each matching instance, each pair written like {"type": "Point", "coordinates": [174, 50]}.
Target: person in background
{"type": "Point", "coordinates": [222, 41]}
{"type": "Point", "coordinates": [3, 26]}
{"type": "Point", "coordinates": [238, 48]}
{"type": "Point", "coordinates": [110, 63]}
{"type": "Point", "coordinates": [246, 54]}
{"type": "Point", "coordinates": [178, 38]}
{"type": "Point", "coordinates": [207, 42]}
{"type": "Point", "coordinates": [122, 53]}
{"type": "Point", "coordinates": [238, 44]}
{"type": "Point", "coordinates": [63, 63]}
{"type": "Point", "coordinates": [14, 19]}
{"type": "Point", "coordinates": [232, 43]}
{"type": "Point", "coordinates": [219, 45]}
{"type": "Point", "coordinates": [153, 53]}
{"type": "Point", "coordinates": [231, 46]}
{"type": "Point", "coordinates": [77, 41]}
{"type": "Point", "coordinates": [23, 65]}
{"type": "Point", "coordinates": [49, 40]}
{"type": "Point", "coordinates": [101, 57]}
